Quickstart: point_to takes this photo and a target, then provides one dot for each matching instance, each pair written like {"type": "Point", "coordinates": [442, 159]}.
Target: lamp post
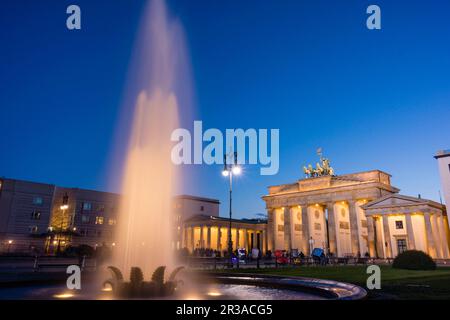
{"type": "Point", "coordinates": [230, 169]}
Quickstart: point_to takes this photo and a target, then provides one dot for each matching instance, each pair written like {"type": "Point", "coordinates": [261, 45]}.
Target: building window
{"type": "Point", "coordinates": [101, 208]}
{"type": "Point", "coordinates": [112, 222]}
{"type": "Point", "coordinates": [38, 201]}
{"type": "Point", "coordinates": [317, 226]}
{"type": "Point", "coordinates": [297, 227]}
{"type": "Point", "coordinates": [399, 224]}
{"type": "Point", "coordinates": [281, 227]}
{"type": "Point", "coordinates": [202, 208]}
{"type": "Point", "coordinates": [99, 233]}
{"type": "Point", "coordinates": [401, 245]}
{"type": "Point", "coordinates": [85, 218]}
{"type": "Point", "coordinates": [33, 229]}
{"type": "Point", "coordinates": [87, 206]}
{"type": "Point", "coordinates": [364, 223]}
{"type": "Point", "coordinates": [35, 215]}
{"type": "Point", "coordinates": [84, 232]}
{"type": "Point", "coordinates": [98, 220]}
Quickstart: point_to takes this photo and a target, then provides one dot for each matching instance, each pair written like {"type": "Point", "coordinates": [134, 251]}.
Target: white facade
{"type": "Point", "coordinates": [406, 223]}
{"type": "Point", "coordinates": [324, 212]}
{"type": "Point", "coordinates": [354, 215]}
{"type": "Point", "coordinates": [443, 158]}
{"type": "Point", "coordinates": [186, 207]}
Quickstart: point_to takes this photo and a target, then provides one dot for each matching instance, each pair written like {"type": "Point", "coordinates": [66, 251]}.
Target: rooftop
{"type": "Point", "coordinates": [207, 217]}
{"type": "Point", "coordinates": [442, 153]}
{"type": "Point", "coordinates": [328, 182]}
{"type": "Point", "coordinates": [190, 197]}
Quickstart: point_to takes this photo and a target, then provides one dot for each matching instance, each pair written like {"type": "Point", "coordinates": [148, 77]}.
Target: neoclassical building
{"type": "Point", "coordinates": [211, 232]}
{"type": "Point", "coordinates": [353, 214]}
{"type": "Point", "coordinates": [398, 222]}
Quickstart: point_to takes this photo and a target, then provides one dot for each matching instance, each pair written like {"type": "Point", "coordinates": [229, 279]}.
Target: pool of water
{"type": "Point", "coordinates": [210, 291]}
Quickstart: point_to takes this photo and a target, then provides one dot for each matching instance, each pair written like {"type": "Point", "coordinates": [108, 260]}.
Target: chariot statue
{"type": "Point", "coordinates": [323, 168]}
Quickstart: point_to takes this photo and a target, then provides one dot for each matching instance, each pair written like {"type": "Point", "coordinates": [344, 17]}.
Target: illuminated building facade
{"type": "Point", "coordinates": [347, 215]}
{"type": "Point", "coordinates": [354, 214]}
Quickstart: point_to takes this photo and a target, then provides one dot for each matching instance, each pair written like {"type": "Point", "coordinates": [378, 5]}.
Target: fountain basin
{"type": "Point", "coordinates": [327, 289]}
{"type": "Point", "coordinates": [212, 286]}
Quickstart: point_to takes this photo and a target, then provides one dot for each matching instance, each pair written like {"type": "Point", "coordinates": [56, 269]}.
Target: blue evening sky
{"type": "Point", "coordinates": [370, 99]}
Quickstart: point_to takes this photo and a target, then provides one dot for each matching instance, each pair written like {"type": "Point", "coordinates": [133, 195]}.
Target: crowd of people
{"type": "Point", "coordinates": [318, 256]}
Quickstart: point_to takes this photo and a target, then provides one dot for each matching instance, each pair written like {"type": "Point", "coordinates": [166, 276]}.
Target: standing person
{"type": "Point", "coordinates": [323, 259]}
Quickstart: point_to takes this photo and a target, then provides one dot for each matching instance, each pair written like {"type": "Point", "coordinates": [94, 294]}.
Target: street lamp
{"type": "Point", "coordinates": [230, 169]}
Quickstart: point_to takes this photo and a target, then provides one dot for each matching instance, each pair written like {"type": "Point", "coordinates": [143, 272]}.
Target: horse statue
{"type": "Point", "coordinates": [323, 168]}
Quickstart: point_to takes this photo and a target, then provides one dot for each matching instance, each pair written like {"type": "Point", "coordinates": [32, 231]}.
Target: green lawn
{"type": "Point", "coordinates": [395, 283]}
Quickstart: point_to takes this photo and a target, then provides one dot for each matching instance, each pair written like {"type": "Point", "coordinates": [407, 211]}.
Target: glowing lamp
{"type": "Point", "coordinates": [236, 170]}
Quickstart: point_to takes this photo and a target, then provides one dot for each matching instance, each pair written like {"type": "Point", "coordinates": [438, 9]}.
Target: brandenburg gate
{"type": "Point", "coordinates": [352, 214]}
{"type": "Point", "coordinates": [324, 212]}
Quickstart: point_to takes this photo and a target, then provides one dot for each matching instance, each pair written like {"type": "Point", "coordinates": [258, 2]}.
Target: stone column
{"type": "Point", "coordinates": [219, 238]}
{"type": "Point", "coordinates": [429, 232]}
{"type": "Point", "coordinates": [305, 229]}
{"type": "Point", "coordinates": [332, 229]}
{"type": "Point", "coordinates": [246, 239]}
{"type": "Point", "coordinates": [387, 237]}
{"type": "Point", "coordinates": [183, 237]}
{"type": "Point", "coordinates": [271, 224]}
{"type": "Point", "coordinates": [410, 232]}
{"type": "Point", "coordinates": [287, 228]}
{"type": "Point", "coordinates": [437, 236]}
{"type": "Point", "coordinates": [354, 231]}
{"type": "Point", "coordinates": [371, 236]}
{"type": "Point", "coordinates": [237, 238]}
{"type": "Point", "coordinates": [442, 226]}
{"type": "Point", "coordinates": [192, 238]}
{"type": "Point", "coordinates": [208, 237]}
{"type": "Point", "coordinates": [264, 241]}
{"type": "Point", "coordinates": [202, 238]}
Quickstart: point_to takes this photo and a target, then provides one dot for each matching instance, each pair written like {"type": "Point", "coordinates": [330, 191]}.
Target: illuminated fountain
{"type": "Point", "coordinates": [148, 181]}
